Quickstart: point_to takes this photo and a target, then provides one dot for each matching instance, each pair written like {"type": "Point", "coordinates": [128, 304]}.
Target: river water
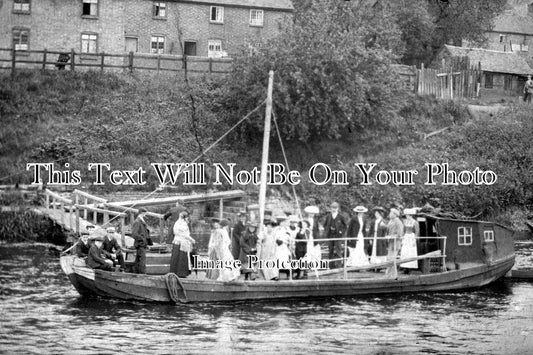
{"type": "Point", "coordinates": [42, 313]}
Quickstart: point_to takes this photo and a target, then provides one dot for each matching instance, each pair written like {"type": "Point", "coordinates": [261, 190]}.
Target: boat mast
{"type": "Point", "coordinates": [264, 159]}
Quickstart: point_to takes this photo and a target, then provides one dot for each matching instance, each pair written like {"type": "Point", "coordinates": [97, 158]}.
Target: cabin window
{"type": "Point", "coordinates": [217, 14]}
{"type": "Point", "coordinates": [464, 235]}
{"type": "Point", "coordinates": [488, 236]}
{"type": "Point", "coordinates": [160, 9]}
{"type": "Point", "coordinates": [90, 8]}
{"type": "Point", "coordinates": [256, 17]}
{"type": "Point", "coordinates": [157, 45]}
{"type": "Point", "coordinates": [21, 6]}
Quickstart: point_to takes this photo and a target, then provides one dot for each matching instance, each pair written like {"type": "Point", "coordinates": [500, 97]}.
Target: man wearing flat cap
{"type": "Point", "coordinates": [111, 248]}
{"type": "Point", "coordinates": [95, 260]}
{"type": "Point", "coordinates": [334, 227]}
{"type": "Point", "coordinates": [141, 235]}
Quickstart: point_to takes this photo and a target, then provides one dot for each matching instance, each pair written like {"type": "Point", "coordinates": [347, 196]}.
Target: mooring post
{"type": "Point", "coordinates": [122, 233]}
{"type": "Point", "coordinates": [221, 209]}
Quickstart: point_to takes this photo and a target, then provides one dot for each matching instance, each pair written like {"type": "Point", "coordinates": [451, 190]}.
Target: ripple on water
{"type": "Point", "coordinates": [41, 312]}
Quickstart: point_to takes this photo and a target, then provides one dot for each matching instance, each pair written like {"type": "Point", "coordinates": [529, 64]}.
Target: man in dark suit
{"type": "Point", "coordinates": [95, 259]}
{"type": "Point", "coordinates": [238, 230]}
{"type": "Point", "coordinates": [334, 227]}
{"type": "Point", "coordinates": [111, 247]}
{"type": "Point", "coordinates": [140, 232]}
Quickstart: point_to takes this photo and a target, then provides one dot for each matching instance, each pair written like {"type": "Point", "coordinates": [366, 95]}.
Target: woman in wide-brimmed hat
{"type": "Point", "coordinates": [411, 232]}
{"type": "Point", "coordinates": [356, 231]}
{"type": "Point", "coordinates": [267, 240]}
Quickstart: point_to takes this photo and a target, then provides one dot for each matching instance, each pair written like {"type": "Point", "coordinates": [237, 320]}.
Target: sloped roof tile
{"type": "Point", "coordinates": [492, 61]}
{"type": "Point", "coordinates": [266, 4]}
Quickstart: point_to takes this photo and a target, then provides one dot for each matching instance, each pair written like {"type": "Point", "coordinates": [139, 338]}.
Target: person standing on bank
{"type": "Point", "coordinates": [528, 89]}
{"type": "Point", "coordinates": [236, 234]}
{"type": "Point", "coordinates": [409, 248]}
{"type": "Point", "coordinates": [334, 227]}
{"type": "Point", "coordinates": [182, 245]}
{"type": "Point", "coordinates": [141, 235]}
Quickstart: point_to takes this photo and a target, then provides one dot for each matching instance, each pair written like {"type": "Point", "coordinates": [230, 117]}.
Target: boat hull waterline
{"type": "Point", "coordinates": [153, 288]}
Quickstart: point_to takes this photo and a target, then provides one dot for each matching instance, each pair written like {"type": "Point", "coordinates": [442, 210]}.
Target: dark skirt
{"type": "Point", "coordinates": [179, 262]}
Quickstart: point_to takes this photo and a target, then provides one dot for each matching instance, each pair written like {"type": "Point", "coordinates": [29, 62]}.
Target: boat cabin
{"type": "Point", "coordinates": [463, 241]}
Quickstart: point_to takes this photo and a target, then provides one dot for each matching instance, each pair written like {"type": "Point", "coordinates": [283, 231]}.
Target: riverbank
{"type": "Point", "coordinates": [131, 121]}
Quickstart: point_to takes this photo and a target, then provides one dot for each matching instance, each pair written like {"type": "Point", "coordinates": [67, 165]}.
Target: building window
{"type": "Point", "coordinates": [89, 42]}
{"type": "Point", "coordinates": [90, 8]}
{"type": "Point", "coordinates": [256, 17]}
{"type": "Point", "coordinates": [489, 80]}
{"type": "Point", "coordinates": [189, 48]}
{"type": "Point", "coordinates": [21, 6]}
{"type": "Point", "coordinates": [488, 236]}
{"type": "Point", "coordinates": [502, 38]}
{"type": "Point", "coordinates": [464, 235]}
{"type": "Point", "coordinates": [214, 48]}
{"type": "Point", "coordinates": [21, 39]}
{"type": "Point", "coordinates": [157, 45]}
{"type": "Point", "coordinates": [216, 14]}
{"type": "Point", "coordinates": [160, 9]}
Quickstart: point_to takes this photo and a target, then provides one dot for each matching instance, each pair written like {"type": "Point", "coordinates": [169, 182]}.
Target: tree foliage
{"type": "Point", "coordinates": [332, 72]}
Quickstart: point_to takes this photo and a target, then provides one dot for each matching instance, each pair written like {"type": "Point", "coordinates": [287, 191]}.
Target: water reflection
{"type": "Point", "coordinates": [41, 312]}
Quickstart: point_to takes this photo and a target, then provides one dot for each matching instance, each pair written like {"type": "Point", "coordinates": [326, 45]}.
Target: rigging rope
{"type": "Point", "coordinates": [287, 164]}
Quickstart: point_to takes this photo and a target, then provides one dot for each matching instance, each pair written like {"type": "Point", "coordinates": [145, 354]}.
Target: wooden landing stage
{"type": "Point", "coordinates": [72, 211]}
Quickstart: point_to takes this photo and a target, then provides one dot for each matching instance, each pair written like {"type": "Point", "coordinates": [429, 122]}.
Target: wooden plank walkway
{"type": "Point", "coordinates": [66, 220]}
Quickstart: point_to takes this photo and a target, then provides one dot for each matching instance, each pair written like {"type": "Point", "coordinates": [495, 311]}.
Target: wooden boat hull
{"type": "Point", "coordinates": [153, 288]}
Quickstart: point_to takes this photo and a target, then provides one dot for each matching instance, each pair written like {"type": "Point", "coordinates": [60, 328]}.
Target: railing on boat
{"type": "Point", "coordinates": [394, 262]}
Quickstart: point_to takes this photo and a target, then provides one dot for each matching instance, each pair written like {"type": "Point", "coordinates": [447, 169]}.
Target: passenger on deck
{"type": "Point", "coordinates": [267, 240]}
{"type": "Point", "coordinates": [96, 260]}
{"type": "Point", "coordinates": [378, 233]}
{"type": "Point", "coordinates": [300, 247]}
{"type": "Point", "coordinates": [357, 246]}
{"type": "Point", "coordinates": [141, 234]}
{"type": "Point", "coordinates": [112, 249]}
{"type": "Point", "coordinates": [281, 233]}
{"type": "Point", "coordinates": [211, 252]}
{"type": "Point", "coordinates": [222, 248]}
{"type": "Point", "coordinates": [394, 234]}
{"type": "Point", "coordinates": [294, 228]}
{"type": "Point", "coordinates": [82, 246]}
{"type": "Point", "coordinates": [334, 227]}
{"type": "Point", "coordinates": [236, 234]}
{"type": "Point", "coordinates": [409, 241]}
{"type": "Point", "coordinates": [172, 216]}
{"type": "Point", "coordinates": [248, 245]}
{"type": "Point", "coordinates": [182, 246]}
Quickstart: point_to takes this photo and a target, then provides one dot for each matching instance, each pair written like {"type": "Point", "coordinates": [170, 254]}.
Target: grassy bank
{"type": "Point", "coordinates": [131, 121]}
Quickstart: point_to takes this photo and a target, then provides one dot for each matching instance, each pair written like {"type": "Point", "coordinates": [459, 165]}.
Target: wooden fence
{"type": "Point", "coordinates": [11, 59]}
{"type": "Point", "coordinates": [448, 84]}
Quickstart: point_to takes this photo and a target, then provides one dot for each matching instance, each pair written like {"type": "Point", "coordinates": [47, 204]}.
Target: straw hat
{"type": "Point", "coordinates": [110, 230]}
{"type": "Point", "coordinates": [395, 211]}
{"type": "Point", "coordinates": [409, 211]}
{"type": "Point", "coordinates": [360, 209]}
{"type": "Point", "coordinates": [96, 238]}
{"type": "Point", "coordinates": [293, 218]}
{"type": "Point", "coordinates": [268, 221]}
{"type": "Point", "coordinates": [312, 210]}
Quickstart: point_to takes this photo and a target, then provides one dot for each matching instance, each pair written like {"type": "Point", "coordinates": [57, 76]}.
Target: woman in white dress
{"type": "Point", "coordinates": [411, 232]}
{"type": "Point", "coordinates": [223, 252]}
{"type": "Point", "coordinates": [267, 240]}
{"type": "Point", "coordinates": [357, 255]}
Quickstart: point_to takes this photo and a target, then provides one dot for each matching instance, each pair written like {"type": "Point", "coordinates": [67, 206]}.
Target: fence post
{"type": "Point", "coordinates": [158, 63]}
{"type": "Point", "coordinates": [13, 61]}
{"type": "Point", "coordinates": [77, 219]}
{"type": "Point", "coordinates": [44, 60]}
{"type": "Point", "coordinates": [47, 201]}
{"type": "Point", "coordinates": [72, 59]}
{"type": "Point", "coordinates": [131, 62]}
{"type": "Point", "coordinates": [210, 65]}
{"type": "Point", "coordinates": [102, 61]}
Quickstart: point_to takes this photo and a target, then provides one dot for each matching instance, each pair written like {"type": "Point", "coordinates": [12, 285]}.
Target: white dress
{"type": "Point", "coordinates": [358, 255]}
{"type": "Point", "coordinates": [283, 252]}
{"type": "Point", "coordinates": [222, 248]}
{"type": "Point", "coordinates": [408, 249]}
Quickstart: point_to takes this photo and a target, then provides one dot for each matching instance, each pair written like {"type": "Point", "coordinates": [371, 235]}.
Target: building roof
{"type": "Point", "coordinates": [284, 5]}
{"type": "Point", "coordinates": [511, 22]}
{"type": "Point", "coordinates": [492, 61]}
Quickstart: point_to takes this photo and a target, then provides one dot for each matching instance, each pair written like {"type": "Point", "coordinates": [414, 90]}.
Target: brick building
{"type": "Point", "coordinates": [214, 28]}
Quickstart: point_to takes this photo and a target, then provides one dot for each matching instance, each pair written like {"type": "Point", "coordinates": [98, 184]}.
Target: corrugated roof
{"type": "Point", "coordinates": [266, 4]}
{"type": "Point", "coordinates": [511, 22]}
{"type": "Point", "coordinates": [492, 61]}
